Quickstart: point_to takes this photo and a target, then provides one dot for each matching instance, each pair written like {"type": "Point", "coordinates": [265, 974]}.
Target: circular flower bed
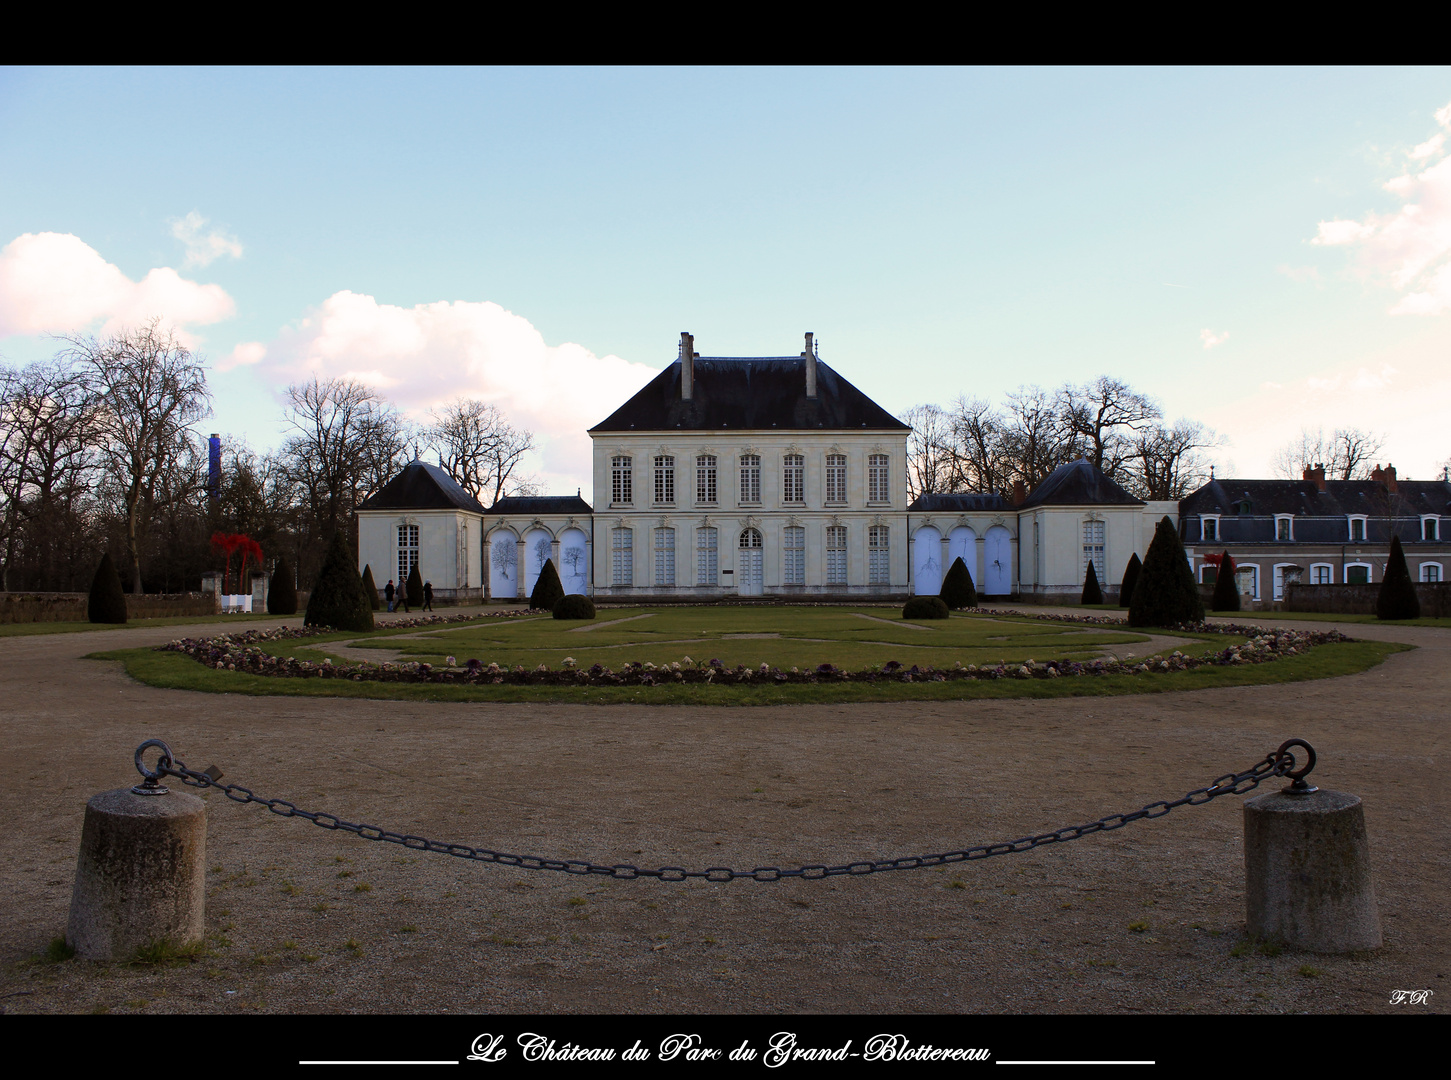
{"type": "Point", "coordinates": [241, 652]}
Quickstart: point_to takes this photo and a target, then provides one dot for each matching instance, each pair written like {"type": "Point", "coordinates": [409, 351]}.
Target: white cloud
{"type": "Point", "coordinates": [1430, 148]}
{"type": "Point", "coordinates": [1399, 392]}
{"type": "Point", "coordinates": [203, 248]}
{"type": "Point", "coordinates": [1211, 339]}
{"type": "Point", "coordinates": [57, 283]}
{"type": "Point", "coordinates": [427, 355]}
{"type": "Point", "coordinates": [1411, 247]}
{"type": "Point", "coordinates": [244, 354]}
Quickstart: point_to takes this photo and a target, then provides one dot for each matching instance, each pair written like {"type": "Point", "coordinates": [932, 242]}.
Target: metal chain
{"type": "Point", "coordinates": [1279, 763]}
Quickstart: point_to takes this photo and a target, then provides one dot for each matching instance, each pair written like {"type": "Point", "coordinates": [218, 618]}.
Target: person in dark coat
{"type": "Point", "coordinates": [428, 596]}
{"type": "Point", "coordinates": [388, 594]}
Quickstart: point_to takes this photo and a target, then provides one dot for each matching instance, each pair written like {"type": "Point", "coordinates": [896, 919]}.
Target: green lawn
{"type": "Point", "coordinates": [782, 637]}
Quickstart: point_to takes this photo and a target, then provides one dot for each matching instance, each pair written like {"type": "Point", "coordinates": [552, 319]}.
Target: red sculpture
{"type": "Point", "coordinates": [229, 543]}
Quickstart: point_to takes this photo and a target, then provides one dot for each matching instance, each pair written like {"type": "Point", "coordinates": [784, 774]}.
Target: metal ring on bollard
{"type": "Point", "coordinates": [151, 786]}
{"type": "Point", "coordinates": [1299, 785]}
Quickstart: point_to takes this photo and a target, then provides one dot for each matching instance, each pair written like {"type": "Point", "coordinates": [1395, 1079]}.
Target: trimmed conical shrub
{"type": "Point", "coordinates": [1092, 593]}
{"type": "Point", "coordinates": [548, 590]}
{"type": "Point", "coordinates": [107, 603]}
{"type": "Point", "coordinates": [1397, 599]}
{"type": "Point", "coordinates": [415, 587]}
{"type": "Point", "coordinates": [958, 590]}
{"type": "Point", "coordinates": [282, 590]}
{"type": "Point", "coordinates": [1226, 588]}
{"type": "Point", "coordinates": [574, 606]}
{"type": "Point", "coordinates": [1165, 593]}
{"type": "Point", "coordinates": [337, 598]}
{"type": "Point", "coordinates": [370, 587]}
{"type": "Point", "coordinates": [1131, 577]}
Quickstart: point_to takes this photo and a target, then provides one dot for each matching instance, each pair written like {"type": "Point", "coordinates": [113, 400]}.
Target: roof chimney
{"type": "Point", "coordinates": [1390, 479]}
{"type": "Point", "coordinates": [1020, 493]}
{"type": "Point", "coordinates": [687, 365]}
{"type": "Point", "coordinates": [810, 355]}
{"type": "Point", "coordinates": [1317, 474]}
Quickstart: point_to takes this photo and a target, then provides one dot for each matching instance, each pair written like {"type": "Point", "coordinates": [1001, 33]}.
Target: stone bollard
{"type": "Point", "coordinates": [1307, 871]}
{"type": "Point", "coordinates": [141, 874]}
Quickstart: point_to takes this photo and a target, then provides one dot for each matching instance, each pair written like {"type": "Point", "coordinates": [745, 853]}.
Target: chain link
{"type": "Point", "coordinates": [1279, 763]}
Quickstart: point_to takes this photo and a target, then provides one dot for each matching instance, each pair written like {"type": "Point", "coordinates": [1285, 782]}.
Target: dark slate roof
{"type": "Point", "coordinates": [1320, 516]}
{"type": "Point", "coordinates": [956, 504]}
{"type": "Point", "coordinates": [1340, 497]}
{"type": "Point", "coordinates": [750, 393]}
{"type": "Point", "coordinates": [421, 486]}
{"type": "Point", "coordinates": [1078, 484]}
{"type": "Point", "coordinates": [536, 505]}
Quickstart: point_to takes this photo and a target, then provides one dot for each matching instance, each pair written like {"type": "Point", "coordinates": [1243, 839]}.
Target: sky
{"type": "Point", "coordinates": [1259, 249]}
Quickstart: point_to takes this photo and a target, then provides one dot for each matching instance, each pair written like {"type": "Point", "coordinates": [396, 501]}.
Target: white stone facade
{"type": "Point", "coordinates": [517, 547]}
{"type": "Point", "coordinates": [798, 513]}
{"type": "Point", "coordinates": [446, 544]}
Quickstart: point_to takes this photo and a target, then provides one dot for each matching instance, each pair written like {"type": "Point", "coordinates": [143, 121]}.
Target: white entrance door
{"type": "Point", "coordinates": [748, 563]}
{"type": "Point", "coordinates": [997, 557]}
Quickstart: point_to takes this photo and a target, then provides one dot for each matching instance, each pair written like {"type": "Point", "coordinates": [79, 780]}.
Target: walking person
{"type": "Point", "coordinates": [388, 594]}
{"type": "Point", "coordinates": [428, 596]}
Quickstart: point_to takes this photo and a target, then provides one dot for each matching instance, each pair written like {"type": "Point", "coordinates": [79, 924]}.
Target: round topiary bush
{"type": "Point", "coordinates": [282, 590]}
{"type": "Point", "coordinates": [337, 598]}
{"type": "Point", "coordinates": [1226, 589]}
{"type": "Point", "coordinates": [924, 607]}
{"type": "Point", "coordinates": [369, 586]}
{"type": "Point", "coordinates": [958, 590]}
{"type": "Point", "coordinates": [1397, 598]}
{"type": "Point", "coordinates": [1165, 593]}
{"type": "Point", "coordinates": [574, 606]}
{"type": "Point", "coordinates": [1092, 592]}
{"type": "Point", "coordinates": [107, 603]}
{"type": "Point", "coordinates": [1131, 576]}
{"type": "Point", "coordinates": [548, 590]}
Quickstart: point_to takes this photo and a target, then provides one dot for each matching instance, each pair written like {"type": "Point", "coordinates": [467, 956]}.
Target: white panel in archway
{"type": "Point", "coordinates": [574, 561]}
{"type": "Point", "coordinates": [927, 561]}
{"type": "Point", "coordinates": [997, 558]}
{"type": "Point", "coordinates": [536, 550]}
{"type": "Point", "coordinates": [962, 544]}
{"type": "Point", "coordinates": [503, 565]}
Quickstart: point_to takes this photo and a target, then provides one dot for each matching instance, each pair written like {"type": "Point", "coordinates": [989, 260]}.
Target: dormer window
{"type": "Point", "coordinates": [1209, 529]}
{"type": "Point", "coordinates": [1357, 528]}
{"type": "Point", "coordinates": [1284, 528]}
{"type": "Point", "coordinates": [1243, 507]}
{"type": "Point", "coordinates": [1430, 528]}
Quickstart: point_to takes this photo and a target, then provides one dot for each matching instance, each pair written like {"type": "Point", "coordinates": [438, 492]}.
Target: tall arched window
{"type": "Point", "coordinates": [750, 478]}
{"type": "Point", "coordinates": [793, 479]}
{"type": "Point", "coordinates": [879, 570]}
{"type": "Point", "coordinates": [836, 555]}
{"type": "Point", "coordinates": [793, 566]}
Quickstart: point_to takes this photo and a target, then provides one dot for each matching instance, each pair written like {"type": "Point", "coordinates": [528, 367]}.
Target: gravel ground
{"type": "Point", "coordinates": [1142, 920]}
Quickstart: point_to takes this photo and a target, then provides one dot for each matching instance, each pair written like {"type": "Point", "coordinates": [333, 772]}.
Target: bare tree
{"type": "Point", "coordinates": [148, 391]}
{"type": "Point", "coordinates": [1105, 415]}
{"type": "Point", "coordinates": [1036, 436]}
{"type": "Point", "coordinates": [478, 447]}
{"type": "Point", "coordinates": [1347, 453]}
{"type": "Point", "coordinates": [929, 451]}
{"type": "Point", "coordinates": [47, 458]}
{"type": "Point", "coordinates": [346, 442]}
{"type": "Point", "coordinates": [979, 463]}
{"type": "Point", "coordinates": [1169, 462]}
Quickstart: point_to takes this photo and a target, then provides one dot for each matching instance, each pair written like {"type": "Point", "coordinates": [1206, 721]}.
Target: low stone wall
{"type": "Point", "coordinates": [1360, 599]}
{"type": "Point", "coordinates": [28, 607]}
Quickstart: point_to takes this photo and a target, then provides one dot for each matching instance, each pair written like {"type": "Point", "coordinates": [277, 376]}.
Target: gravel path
{"type": "Point", "coordinates": [1047, 931]}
